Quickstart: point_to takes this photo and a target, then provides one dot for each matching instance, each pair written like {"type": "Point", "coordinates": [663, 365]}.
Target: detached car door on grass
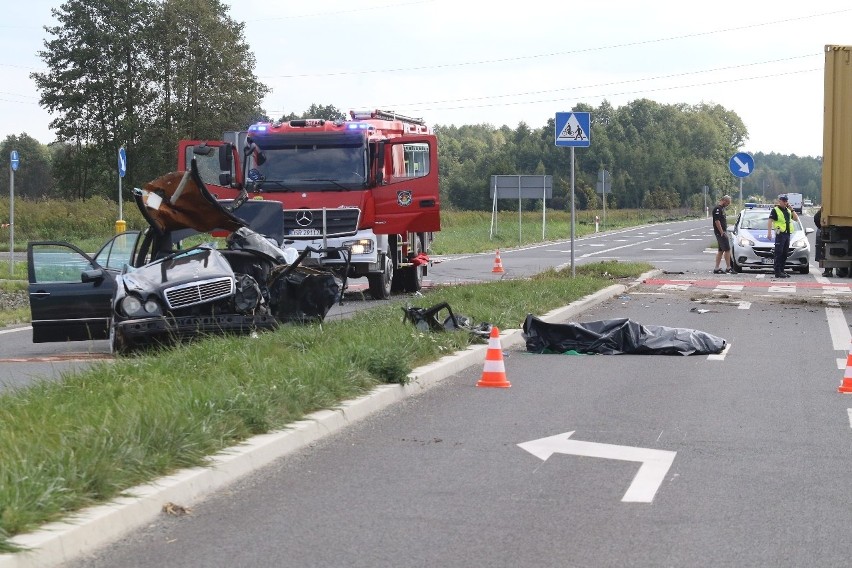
{"type": "Point", "coordinates": [71, 292]}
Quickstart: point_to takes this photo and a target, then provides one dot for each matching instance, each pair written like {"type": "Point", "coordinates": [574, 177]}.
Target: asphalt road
{"type": "Point", "coordinates": [746, 452]}
{"type": "Point", "coordinates": [753, 448]}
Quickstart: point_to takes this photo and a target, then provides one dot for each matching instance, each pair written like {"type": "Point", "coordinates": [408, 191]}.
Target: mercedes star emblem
{"type": "Point", "coordinates": [304, 218]}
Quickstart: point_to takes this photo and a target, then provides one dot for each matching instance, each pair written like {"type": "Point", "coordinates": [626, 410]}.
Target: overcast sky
{"type": "Point", "coordinates": [471, 62]}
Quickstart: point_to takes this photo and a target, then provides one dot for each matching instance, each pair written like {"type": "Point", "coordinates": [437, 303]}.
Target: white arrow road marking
{"type": "Point", "coordinates": [849, 412]}
{"type": "Point", "coordinates": [655, 463]}
{"type": "Point", "coordinates": [743, 166]}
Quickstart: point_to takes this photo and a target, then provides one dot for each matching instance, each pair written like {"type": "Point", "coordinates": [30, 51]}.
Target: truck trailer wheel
{"type": "Point", "coordinates": [380, 283]}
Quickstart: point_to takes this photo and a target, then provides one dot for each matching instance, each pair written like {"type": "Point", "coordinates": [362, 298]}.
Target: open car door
{"type": "Point", "coordinates": [70, 292]}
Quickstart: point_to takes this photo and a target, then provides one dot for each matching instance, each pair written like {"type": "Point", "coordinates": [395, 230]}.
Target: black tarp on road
{"type": "Point", "coordinates": [617, 337]}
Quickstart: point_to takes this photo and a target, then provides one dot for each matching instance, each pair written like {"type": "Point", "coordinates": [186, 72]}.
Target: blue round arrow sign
{"type": "Point", "coordinates": [122, 162]}
{"type": "Point", "coordinates": [741, 164]}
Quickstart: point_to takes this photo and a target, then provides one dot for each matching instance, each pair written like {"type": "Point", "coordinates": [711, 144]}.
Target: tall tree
{"type": "Point", "coordinates": [142, 74]}
{"type": "Point", "coordinates": [98, 84]}
{"type": "Point", "coordinates": [32, 179]}
{"type": "Point", "coordinates": [205, 76]}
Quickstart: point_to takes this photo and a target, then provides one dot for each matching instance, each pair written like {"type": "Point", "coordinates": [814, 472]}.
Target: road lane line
{"type": "Point", "coordinates": [14, 329]}
{"type": "Point", "coordinates": [719, 356]}
{"type": "Point", "coordinates": [588, 254]}
{"type": "Point", "coordinates": [838, 328]}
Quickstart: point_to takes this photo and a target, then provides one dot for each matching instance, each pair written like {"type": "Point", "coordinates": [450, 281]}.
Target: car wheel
{"type": "Point", "coordinates": [803, 270]}
{"type": "Point", "coordinates": [117, 342]}
{"type": "Point", "coordinates": [380, 284]}
{"type": "Point", "coordinates": [737, 268]}
{"type": "Point", "coordinates": [842, 272]}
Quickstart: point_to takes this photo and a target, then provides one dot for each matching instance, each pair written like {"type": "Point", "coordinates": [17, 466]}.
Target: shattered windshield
{"type": "Point", "coordinates": [311, 164]}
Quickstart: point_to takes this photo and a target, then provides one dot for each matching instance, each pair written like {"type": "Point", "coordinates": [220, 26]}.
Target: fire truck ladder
{"type": "Point", "coordinates": [385, 115]}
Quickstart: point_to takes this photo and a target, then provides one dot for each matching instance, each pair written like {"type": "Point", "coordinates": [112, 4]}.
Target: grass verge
{"type": "Point", "coordinates": [69, 444]}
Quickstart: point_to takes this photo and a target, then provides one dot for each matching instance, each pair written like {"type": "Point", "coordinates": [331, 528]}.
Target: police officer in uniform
{"type": "Point", "coordinates": [781, 219]}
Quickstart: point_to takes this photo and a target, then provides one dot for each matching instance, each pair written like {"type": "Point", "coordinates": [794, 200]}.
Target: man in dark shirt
{"type": "Point", "coordinates": [720, 228]}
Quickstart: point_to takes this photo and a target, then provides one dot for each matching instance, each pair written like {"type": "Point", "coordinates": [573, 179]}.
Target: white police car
{"type": "Point", "coordinates": [751, 249]}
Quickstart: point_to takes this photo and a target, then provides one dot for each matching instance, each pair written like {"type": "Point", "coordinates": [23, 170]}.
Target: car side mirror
{"type": "Point", "coordinates": [809, 230]}
{"type": "Point", "coordinates": [94, 275]}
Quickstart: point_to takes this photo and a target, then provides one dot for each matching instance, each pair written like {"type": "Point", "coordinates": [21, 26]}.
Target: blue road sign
{"type": "Point", "coordinates": [741, 164]}
{"type": "Point", "coordinates": [572, 129]}
{"type": "Point", "coordinates": [122, 162]}
{"type": "Point", "coordinates": [13, 157]}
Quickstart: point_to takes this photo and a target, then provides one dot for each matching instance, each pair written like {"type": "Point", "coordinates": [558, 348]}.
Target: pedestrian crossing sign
{"type": "Point", "coordinates": [572, 129]}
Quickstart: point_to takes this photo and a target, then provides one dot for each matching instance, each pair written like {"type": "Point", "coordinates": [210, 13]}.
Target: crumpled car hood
{"type": "Point", "coordinates": [180, 200]}
{"type": "Point", "coordinates": [193, 265]}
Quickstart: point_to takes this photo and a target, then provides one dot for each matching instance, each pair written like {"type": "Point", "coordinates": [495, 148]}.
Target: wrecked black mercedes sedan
{"type": "Point", "coordinates": [149, 287]}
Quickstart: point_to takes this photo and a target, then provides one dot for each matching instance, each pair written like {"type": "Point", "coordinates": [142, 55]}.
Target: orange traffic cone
{"type": "Point", "coordinates": [498, 264]}
{"type": "Point", "coordinates": [494, 373]}
{"type": "Point", "coordinates": [846, 385]}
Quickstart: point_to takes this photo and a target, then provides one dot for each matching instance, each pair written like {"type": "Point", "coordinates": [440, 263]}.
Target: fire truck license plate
{"type": "Point", "coordinates": [305, 232]}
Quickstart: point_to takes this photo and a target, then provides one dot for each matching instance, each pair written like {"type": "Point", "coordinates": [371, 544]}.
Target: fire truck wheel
{"type": "Point", "coordinates": [380, 283]}
{"type": "Point", "coordinates": [411, 278]}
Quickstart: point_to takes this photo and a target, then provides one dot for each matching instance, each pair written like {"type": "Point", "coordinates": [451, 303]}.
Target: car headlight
{"type": "Point", "coordinates": [361, 246]}
{"type": "Point", "coordinates": [801, 243]}
{"type": "Point", "coordinates": [744, 242]}
{"type": "Point", "coordinates": [131, 306]}
{"type": "Point", "coordinates": [152, 307]}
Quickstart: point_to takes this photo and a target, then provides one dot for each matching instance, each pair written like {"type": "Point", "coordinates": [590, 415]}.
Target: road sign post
{"type": "Point", "coordinates": [520, 186]}
{"type": "Point", "coordinates": [603, 187]}
{"type": "Point", "coordinates": [573, 130]}
{"type": "Point", "coordinates": [14, 160]}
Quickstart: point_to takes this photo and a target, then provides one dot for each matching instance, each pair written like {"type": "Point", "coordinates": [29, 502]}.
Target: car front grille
{"type": "Point", "coordinates": [199, 292]}
{"type": "Point", "coordinates": [768, 252]}
{"type": "Point", "coordinates": [338, 222]}
{"type": "Point", "coordinates": [764, 252]}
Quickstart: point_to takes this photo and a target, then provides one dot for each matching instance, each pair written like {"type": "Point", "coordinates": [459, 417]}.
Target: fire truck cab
{"type": "Point", "coordinates": [368, 183]}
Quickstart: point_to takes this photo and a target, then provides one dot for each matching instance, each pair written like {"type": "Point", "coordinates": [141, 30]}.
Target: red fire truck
{"type": "Point", "coordinates": [369, 184]}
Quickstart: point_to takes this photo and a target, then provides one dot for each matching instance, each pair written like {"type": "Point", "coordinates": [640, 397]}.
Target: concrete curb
{"type": "Point", "coordinates": [60, 542]}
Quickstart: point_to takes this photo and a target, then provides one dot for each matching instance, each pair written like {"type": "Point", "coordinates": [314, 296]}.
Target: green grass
{"type": "Point", "coordinates": [69, 444]}
{"type": "Point", "coordinates": [85, 222]}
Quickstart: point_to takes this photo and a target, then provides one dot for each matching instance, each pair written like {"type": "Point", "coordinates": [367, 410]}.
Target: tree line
{"type": "Point", "coordinates": [144, 74]}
